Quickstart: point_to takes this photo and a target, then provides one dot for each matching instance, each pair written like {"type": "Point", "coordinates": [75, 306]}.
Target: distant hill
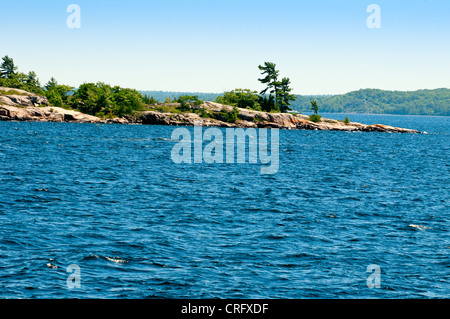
{"type": "Point", "coordinates": [422, 102]}
{"type": "Point", "coordinates": [162, 95]}
{"type": "Point", "coordinates": [374, 101]}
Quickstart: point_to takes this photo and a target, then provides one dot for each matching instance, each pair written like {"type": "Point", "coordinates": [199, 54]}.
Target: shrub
{"type": "Point", "coordinates": [164, 108]}
{"type": "Point", "coordinates": [242, 98]}
{"type": "Point", "coordinates": [233, 115]}
{"type": "Point", "coordinates": [187, 101]}
{"type": "Point", "coordinates": [315, 118]}
{"type": "Point", "coordinates": [258, 118]}
{"type": "Point", "coordinates": [12, 92]}
{"type": "Point", "coordinates": [346, 121]}
{"type": "Point", "coordinates": [203, 113]}
{"type": "Point", "coordinates": [227, 116]}
{"type": "Point", "coordinates": [149, 100]}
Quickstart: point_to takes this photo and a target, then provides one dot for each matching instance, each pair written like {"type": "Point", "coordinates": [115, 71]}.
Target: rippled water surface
{"type": "Point", "coordinates": [109, 199]}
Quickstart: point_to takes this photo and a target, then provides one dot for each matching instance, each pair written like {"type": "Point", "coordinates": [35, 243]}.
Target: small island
{"type": "Point", "coordinates": [22, 98]}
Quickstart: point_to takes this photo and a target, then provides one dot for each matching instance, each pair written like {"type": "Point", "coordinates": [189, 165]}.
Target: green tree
{"type": "Point", "coordinates": [54, 98]}
{"type": "Point", "coordinates": [242, 98]}
{"type": "Point", "coordinates": [7, 68]}
{"type": "Point", "coordinates": [32, 79]}
{"type": "Point", "coordinates": [85, 98]}
{"type": "Point", "coordinates": [267, 104]}
{"type": "Point", "coordinates": [102, 99]}
{"type": "Point", "coordinates": [149, 100]}
{"type": "Point", "coordinates": [271, 81]}
{"type": "Point", "coordinates": [57, 95]}
{"type": "Point", "coordinates": [51, 84]}
{"type": "Point", "coordinates": [285, 96]}
{"type": "Point", "coordinates": [314, 107]}
{"type": "Point", "coordinates": [32, 83]}
{"type": "Point", "coordinates": [187, 101]}
{"type": "Point", "coordinates": [126, 101]}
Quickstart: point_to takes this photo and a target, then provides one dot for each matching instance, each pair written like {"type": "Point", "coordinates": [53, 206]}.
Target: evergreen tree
{"type": "Point", "coordinates": [32, 80]}
{"type": "Point", "coordinates": [314, 107]}
{"type": "Point", "coordinates": [285, 96]}
{"type": "Point", "coordinates": [7, 68]}
{"type": "Point", "coordinates": [271, 80]}
{"type": "Point", "coordinates": [279, 91]}
{"type": "Point", "coordinates": [51, 85]}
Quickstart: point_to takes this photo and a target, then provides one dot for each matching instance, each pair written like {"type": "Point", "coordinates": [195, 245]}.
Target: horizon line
{"type": "Point", "coordinates": [316, 94]}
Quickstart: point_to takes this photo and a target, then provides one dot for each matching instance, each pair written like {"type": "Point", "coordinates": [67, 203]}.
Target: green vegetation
{"type": "Point", "coordinates": [98, 99]}
{"type": "Point", "coordinates": [315, 118]}
{"type": "Point", "coordinates": [149, 100]}
{"type": "Point", "coordinates": [232, 116]}
{"type": "Point", "coordinates": [227, 116]}
{"type": "Point", "coordinates": [242, 98]}
{"type": "Point", "coordinates": [276, 97]}
{"type": "Point", "coordinates": [7, 68]}
{"type": "Point", "coordinates": [280, 90]}
{"type": "Point", "coordinates": [346, 121]}
{"type": "Point", "coordinates": [374, 101]}
{"type": "Point", "coordinates": [165, 108]}
{"type": "Point", "coordinates": [58, 95]}
{"type": "Point", "coordinates": [12, 92]}
{"type": "Point", "coordinates": [188, 102]}
{"type": "Point", "coordinates": [285, 96]}
{"type": "Point", "coordinates": [182, 104]}
{"type": "Point", "coordinates": [314, 107]}
{"type": "Point", "coordinates": [421, 102]}
{"type": "Point", "coordinates": [204, 113]}
{"type": "Point", "coordinates": [258, 119]}
{"type": "Point", "coordinates": [9, 77]}
{"type": "Point", "coordinates": [103, 100]}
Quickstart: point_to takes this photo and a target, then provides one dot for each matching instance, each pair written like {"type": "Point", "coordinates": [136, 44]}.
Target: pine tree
{"type": "Point", "coordinates": [7, 68]}
{"type": "Point", "coordinates": [314, 107]}
{"type": "Point", "coordinates": [279, 91]}
{"type": "Point", "coordinates": [285, 96]}
{"type": "Point", "coordinates": [271, 80]}
{"type": "Point", "coordinates": [51, 85]}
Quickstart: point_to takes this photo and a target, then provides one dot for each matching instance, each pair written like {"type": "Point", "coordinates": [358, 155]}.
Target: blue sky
{"type": "Point", "coordinates": [323, 46]}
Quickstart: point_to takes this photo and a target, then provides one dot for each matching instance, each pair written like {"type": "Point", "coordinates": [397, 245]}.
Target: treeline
{"type": "Point", "coordinates": [163, 96]}
{"type": "Point", "coordinates": [375, 101]}
{"type": "Point", "coordinates": [98, 99]}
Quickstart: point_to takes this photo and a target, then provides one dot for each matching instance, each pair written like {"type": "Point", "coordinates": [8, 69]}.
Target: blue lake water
{"type": "Point", "coordinates": [109, 199]}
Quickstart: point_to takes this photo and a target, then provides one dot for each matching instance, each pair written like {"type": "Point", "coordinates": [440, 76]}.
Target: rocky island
{"type": "Point", "coordinates": [20, 105]}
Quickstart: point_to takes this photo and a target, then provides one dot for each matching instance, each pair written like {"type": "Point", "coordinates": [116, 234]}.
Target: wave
{"type": "Point", "coordinates": [117, 260]}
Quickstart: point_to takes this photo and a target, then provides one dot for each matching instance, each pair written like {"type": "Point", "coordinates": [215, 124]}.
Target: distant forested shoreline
{"type": "Point", "coordinates": [369, 101]}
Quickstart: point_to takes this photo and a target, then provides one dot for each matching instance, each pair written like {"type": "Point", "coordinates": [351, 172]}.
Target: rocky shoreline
{"type": "Point", "coordinates": [19, 105]}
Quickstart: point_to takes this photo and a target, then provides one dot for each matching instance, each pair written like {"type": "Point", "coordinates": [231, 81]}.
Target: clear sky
{"type": "Point", "coordinates": [323, 46]}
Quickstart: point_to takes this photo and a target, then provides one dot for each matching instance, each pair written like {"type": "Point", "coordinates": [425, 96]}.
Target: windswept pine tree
{"type": "Point", "coordinates": [271, 80]}
{"type": "Point", "coordinates": [280, 90]}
